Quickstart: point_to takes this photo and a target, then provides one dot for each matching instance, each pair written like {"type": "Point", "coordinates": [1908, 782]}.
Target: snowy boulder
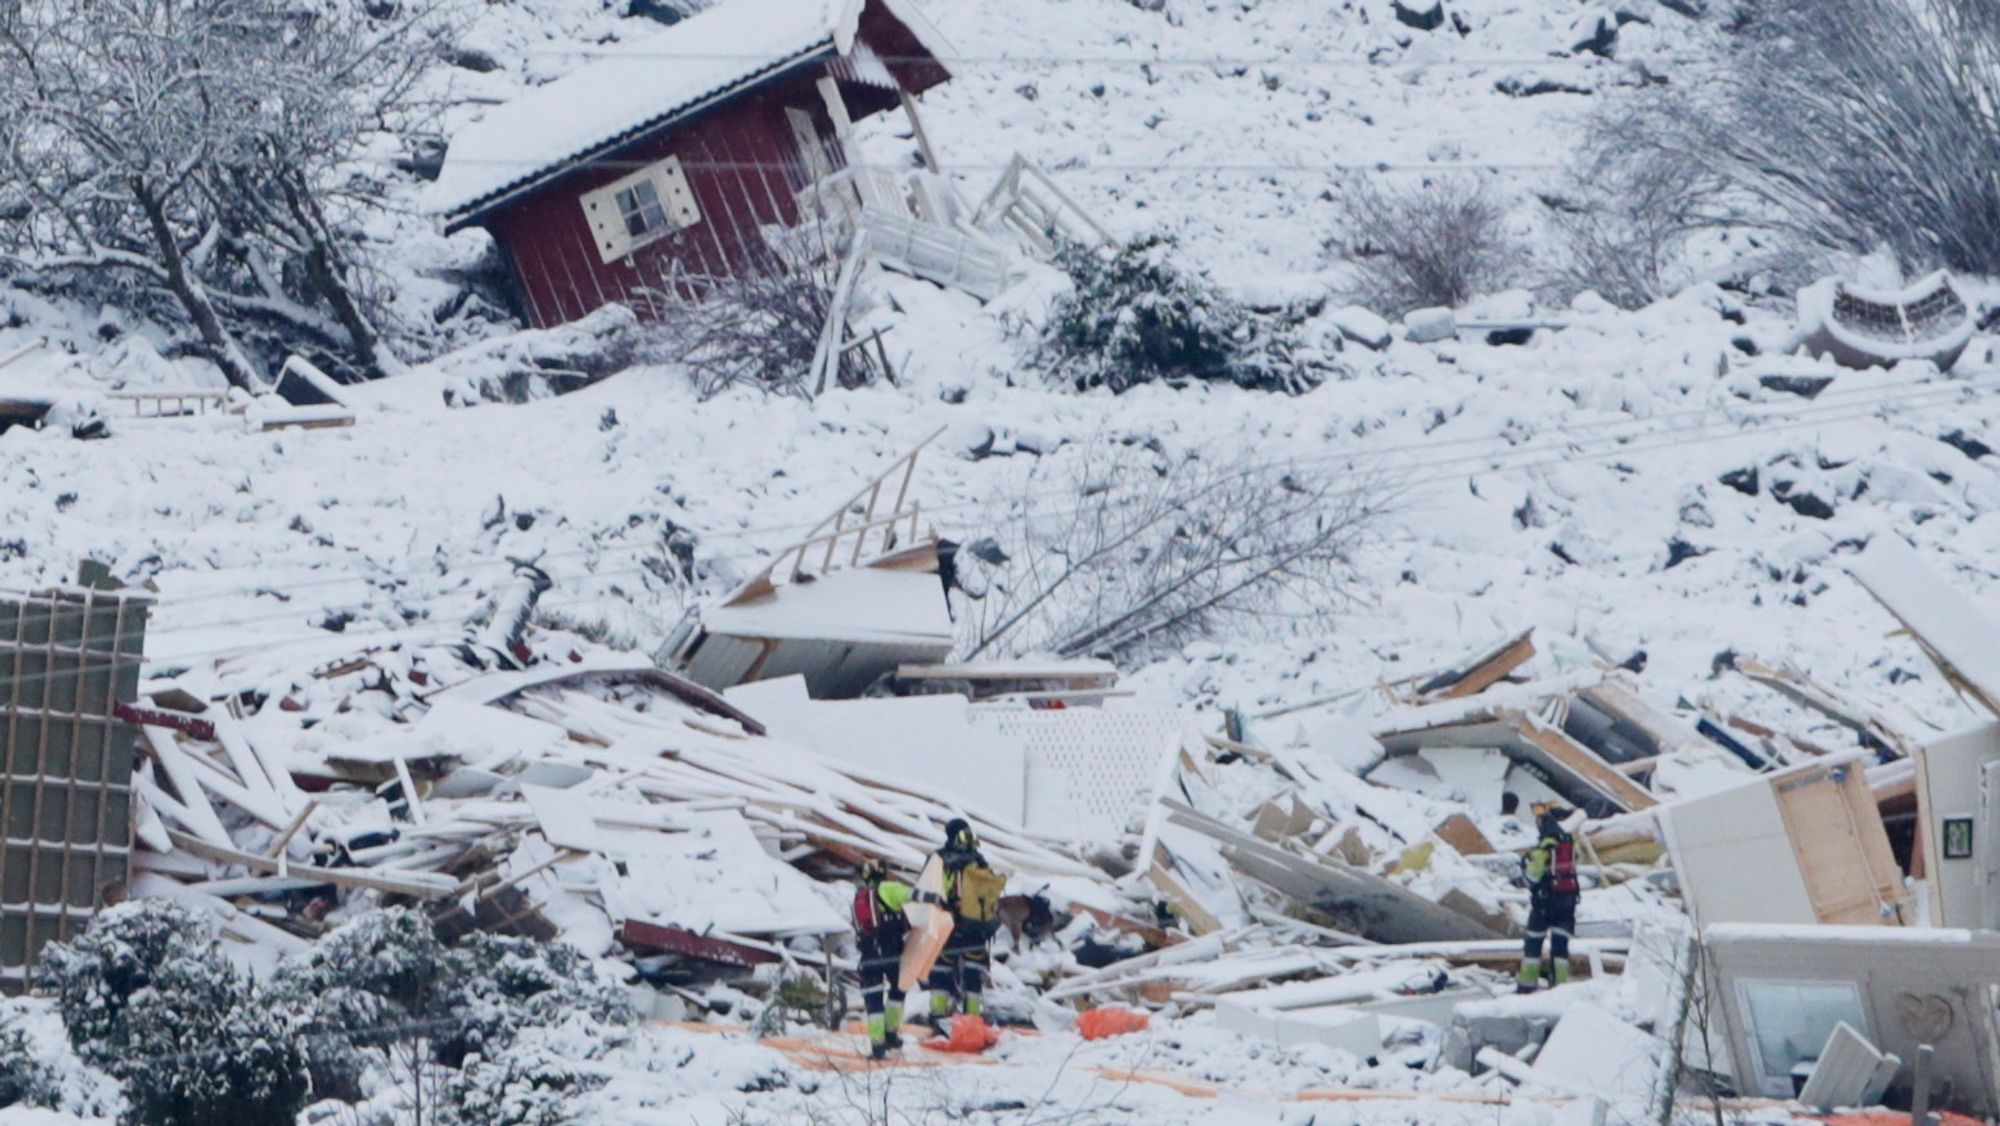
{"type": "Point", "coordinates": [82, 413]}
{"type": "Point", "coordinates": [1364, 327]}
{"type": "Point", "coordinates": [542, 363]}
{"type": "Point", "coordinates": [1424, 15]}
{"type": "Point", "coordinates": [1742, 480]}
{"type": "Point", "coordinates": [1533, 84]}
{"type": "Point", "coordinates": [1595, 30]}
{"type": "Point", "coordinates": [1428, 326]}
{"type": "Point", "coordinates": [974, 441]}
{"type": "Point", "coordinates": [1803, 499]}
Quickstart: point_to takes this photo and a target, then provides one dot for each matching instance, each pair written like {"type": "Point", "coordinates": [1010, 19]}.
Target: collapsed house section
{"type": "Point", "coordinates": [857, 598]}
{"type": "Point", "coordinates": [1347, 874]}
{"type": "Point", "coordinates": [1793, 1001]}
{"type": "Point", "coordinates": [1821, 852]}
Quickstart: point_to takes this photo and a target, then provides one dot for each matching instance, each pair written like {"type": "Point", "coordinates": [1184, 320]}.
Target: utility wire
{"type": "Point", "coordinates": [1225, 62]}
{"type": "Point", "coordinates": [1816, 411]}
{"type": "Point", "coordinates": [1615, 446]}
{"type": "Point", "coordinates": [1129, 168]}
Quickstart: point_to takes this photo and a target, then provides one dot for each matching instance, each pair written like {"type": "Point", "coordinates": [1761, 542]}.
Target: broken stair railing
{"type": "Point", "coordinates": [824, 543]}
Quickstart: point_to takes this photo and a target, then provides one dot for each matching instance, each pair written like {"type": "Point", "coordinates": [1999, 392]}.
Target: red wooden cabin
{"type": "Point", "coordinates": [667, 156]}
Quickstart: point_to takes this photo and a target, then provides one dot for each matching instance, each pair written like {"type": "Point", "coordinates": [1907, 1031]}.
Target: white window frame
{"type": "Point", "coordinates": [607, 222]}
{"type": "Point", "coordinates": [1780, 1086]}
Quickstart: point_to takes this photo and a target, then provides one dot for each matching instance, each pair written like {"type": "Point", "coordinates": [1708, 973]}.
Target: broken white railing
{"type": "Point", "coordinates": [1027, 203]}
{"type": "Point", "coordinates": [836, 541]}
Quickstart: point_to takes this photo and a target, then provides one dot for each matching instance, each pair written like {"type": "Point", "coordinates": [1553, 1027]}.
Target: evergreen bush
{"type": "Point", "coordinates": [1134, 316]}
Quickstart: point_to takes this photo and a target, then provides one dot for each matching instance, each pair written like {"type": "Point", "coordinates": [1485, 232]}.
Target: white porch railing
{"type": "Point", "coordinates": [913, 224]}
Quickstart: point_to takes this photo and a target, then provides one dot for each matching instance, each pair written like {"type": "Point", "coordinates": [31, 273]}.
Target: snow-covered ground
{"type": "Point", "coordinates": [1575, 484]}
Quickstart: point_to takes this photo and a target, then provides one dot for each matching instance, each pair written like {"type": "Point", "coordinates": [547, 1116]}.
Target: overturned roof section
{"type": "Point", "coordinates": [859, 596]}
{"type": "Point", "coordinates": [841, 632]}
{"type": "Point", "coordinates": [643, 84]}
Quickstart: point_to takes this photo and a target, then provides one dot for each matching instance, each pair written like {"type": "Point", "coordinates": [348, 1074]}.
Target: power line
{"type": "Point", "coordinates": [1867, 399]}
{"type": "Point", "coordinates": [1222, 62]}
{"type": "Point", "coordinates": [1614, 446]}
{"type": "Point", "coordinates": [1156, 167]}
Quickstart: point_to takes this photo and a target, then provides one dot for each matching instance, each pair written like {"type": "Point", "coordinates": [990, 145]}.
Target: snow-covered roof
{"type": "Point", "coordinates": [641, 84]}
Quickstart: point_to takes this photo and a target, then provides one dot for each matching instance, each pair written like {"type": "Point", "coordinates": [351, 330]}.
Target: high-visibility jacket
{"type": "Point", "coordinates": [878, 911]}
{"type": "Point", "coordinates": [1551, 867]}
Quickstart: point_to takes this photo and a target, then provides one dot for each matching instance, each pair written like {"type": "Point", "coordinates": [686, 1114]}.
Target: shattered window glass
{"type": "Point", "coordinates": [1790, 1020]}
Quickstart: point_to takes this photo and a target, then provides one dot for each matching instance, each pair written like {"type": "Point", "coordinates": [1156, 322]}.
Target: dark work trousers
{"type": "Point", "coordinates": [881, 955]}
{"type": "Point", "coordinates": [960, 973]}
{"type": "Point", "coordinates": [1551, 916]}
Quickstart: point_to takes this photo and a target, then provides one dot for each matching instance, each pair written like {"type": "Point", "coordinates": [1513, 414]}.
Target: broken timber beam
{"type": "Point", "coordinates": [417, 885]}
{"type": "Point", "coordinates": [194, 727]}
{"type": "Point", "coordinates": [1482, 673]}
{"type": "Point", "coordinates": [678, 940]}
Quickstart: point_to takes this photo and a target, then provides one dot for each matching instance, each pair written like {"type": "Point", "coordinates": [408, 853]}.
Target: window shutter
{"type": "Point", "coordinates": [607, 224]}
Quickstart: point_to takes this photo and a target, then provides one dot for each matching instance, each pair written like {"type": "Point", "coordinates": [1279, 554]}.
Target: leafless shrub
{"type": "Point", "coordinates": [1155, 550]}
{"type": "Point", "coordinates": [1842, 125]}
{"type": "Point", "coordinates": [1435, 243]}
{"type": "Point", "coordinates": [762, 325]}
{"type": "Point", "coordinates": [1622, 228]}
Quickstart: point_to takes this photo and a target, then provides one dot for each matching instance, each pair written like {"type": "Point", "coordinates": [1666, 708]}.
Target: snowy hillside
{"type": "Point", "coordinates": [1574, 484]}
{"type": "Point", "coordinates": [1655, 488]}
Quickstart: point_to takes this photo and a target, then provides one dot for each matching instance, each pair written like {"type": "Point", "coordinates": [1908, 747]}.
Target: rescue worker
{"type": "Point", "coordinates": [879, 931]}
{"type": "Point", "coordinates": [972, 893]}
{"type": "Point", "coordinates": [1550, 873]}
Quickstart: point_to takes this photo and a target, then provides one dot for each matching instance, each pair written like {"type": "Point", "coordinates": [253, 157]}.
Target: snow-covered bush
{"type": "Point", "coordinates": [147, 996]}
{"type": "Point", "coordinates": [525, 1085]}
{"type": "Point", "coordinates": [25, 1078]}
{"type": "Point", "coordinates": [1135, 316]}
{"type": "Point", "coordinates": [1439, 242]}
{"type": "Point", "coordinates": [503, 984]}
{"type": "Point", "coordinates": [1842, 125]}
{"type": "Point", "coordinates": [380, 981]}
{"type": "Point", "coordinates": [1622, 231]}
{"type": "Point", "coordinates": [382, 991]}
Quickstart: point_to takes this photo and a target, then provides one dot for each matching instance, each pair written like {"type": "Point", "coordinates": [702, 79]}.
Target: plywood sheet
{"type": "Point", "coordinates": [1842, 851]}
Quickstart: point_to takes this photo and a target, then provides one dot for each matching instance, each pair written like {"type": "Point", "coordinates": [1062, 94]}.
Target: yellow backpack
{"type": "Point", "coordinates": [979, 892]}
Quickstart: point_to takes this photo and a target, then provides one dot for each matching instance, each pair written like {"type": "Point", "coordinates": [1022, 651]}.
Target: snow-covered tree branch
{"type": "Point", "coordinates": [1156, 549]}
{"type": "Point", "coordinates": [208, 151]}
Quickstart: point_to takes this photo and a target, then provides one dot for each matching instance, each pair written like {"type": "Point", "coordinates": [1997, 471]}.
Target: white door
{"type": "Point", "coordinates": [812, 151]}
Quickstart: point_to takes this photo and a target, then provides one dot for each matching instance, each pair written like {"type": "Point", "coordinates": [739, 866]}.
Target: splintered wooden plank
{"type": "Point", "coordinates": [1483, 672]}
{"type": "Point", "coordinates": [1581, 762]}
{"type": "Point", "coordinates": [418, 885]}
{"type": "Point", "coordinates": [1393, 913]}
{"type": "Point", "coordinates": [1198, 918]}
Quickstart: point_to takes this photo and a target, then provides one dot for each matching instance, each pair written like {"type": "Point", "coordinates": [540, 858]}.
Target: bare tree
{"type": "Point", "coordinates": [1158, 550]}
{"type": "Point", "coordinates": [1435, 243]}
{"type": "Point", "coordinates": [198, 148]}
{"type": "Point", "coordinates": [1841, 124]}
